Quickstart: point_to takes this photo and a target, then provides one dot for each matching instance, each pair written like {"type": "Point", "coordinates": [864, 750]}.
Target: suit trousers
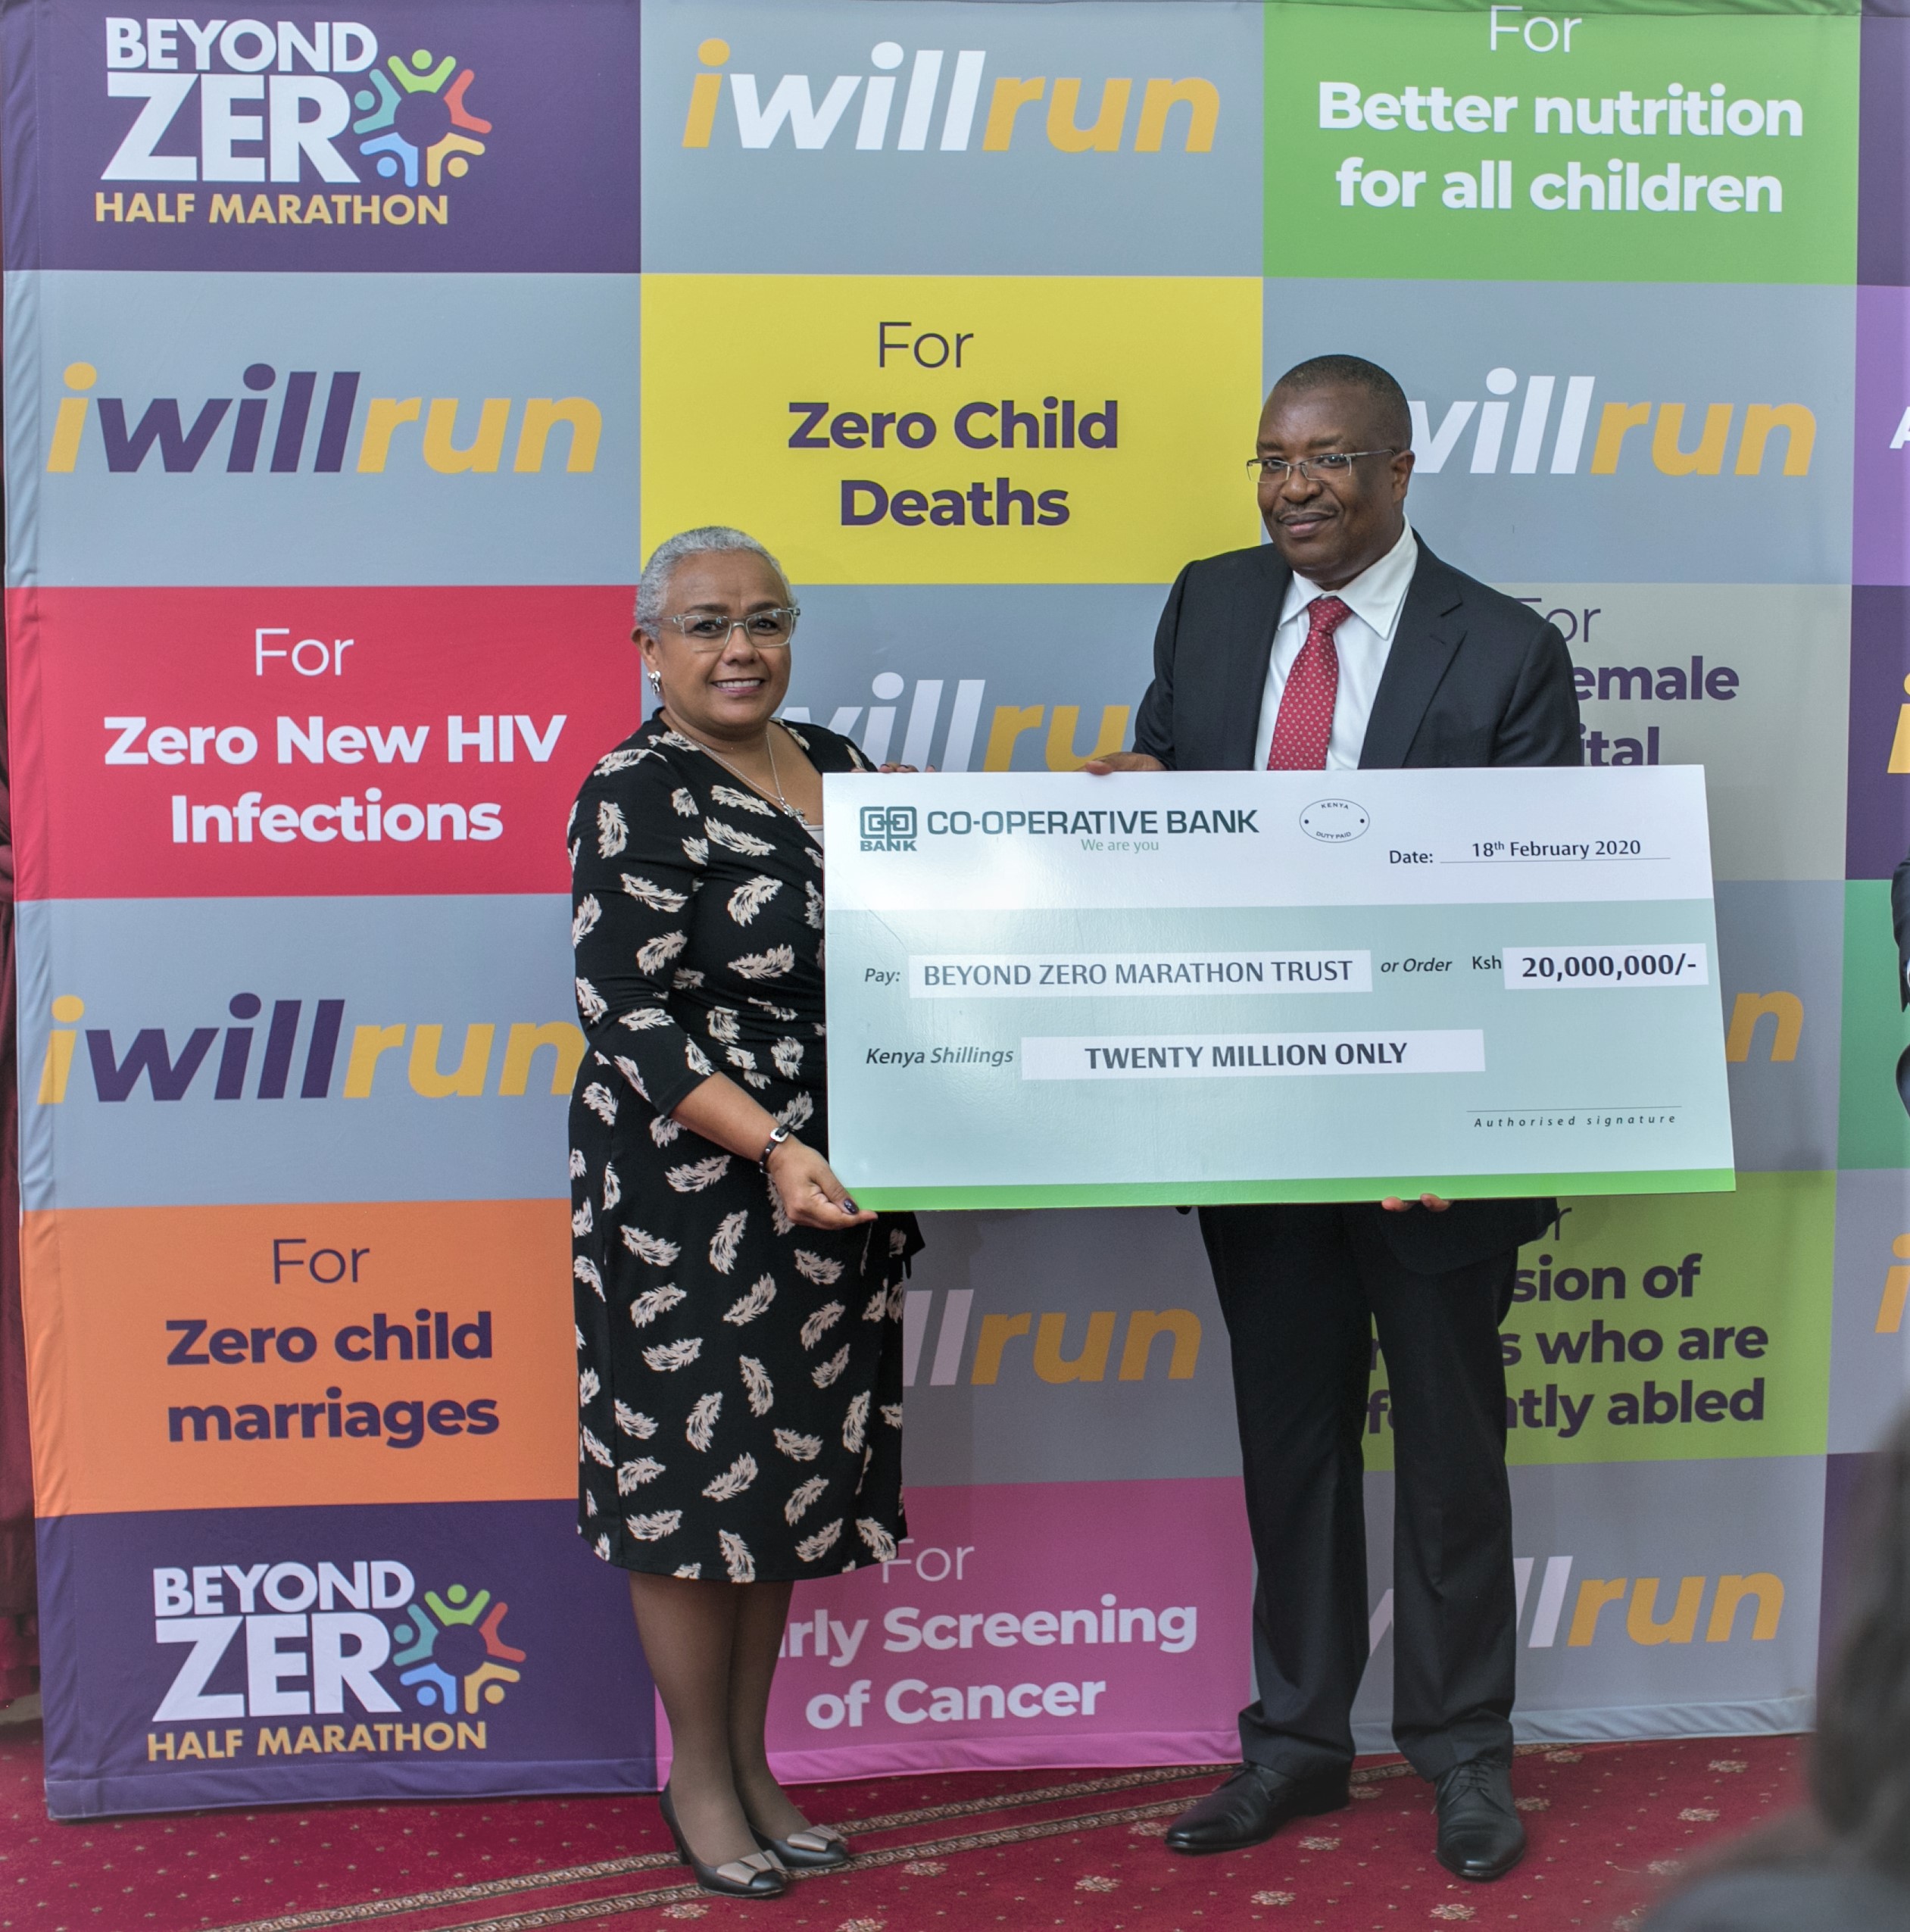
{"type": "Point", "coordinates": [1303, 1289]}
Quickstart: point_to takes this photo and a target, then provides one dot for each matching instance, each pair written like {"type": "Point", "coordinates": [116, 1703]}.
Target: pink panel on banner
{"type": "Point", "coordinates": [309, 741]}
{"type": "Point", "coordinates": [1027, 1624]}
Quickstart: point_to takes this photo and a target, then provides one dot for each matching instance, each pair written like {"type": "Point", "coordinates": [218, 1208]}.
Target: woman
{"type": "Point", "coordinates": [1844, 1864]}
{"type": "Point", "coordinates": [738, 1315]}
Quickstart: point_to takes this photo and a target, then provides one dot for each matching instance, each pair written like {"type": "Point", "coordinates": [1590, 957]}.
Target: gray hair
{"type": "Point", "coordinates": [654, 583]}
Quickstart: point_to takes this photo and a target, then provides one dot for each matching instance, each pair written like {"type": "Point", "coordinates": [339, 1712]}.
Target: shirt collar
{"type": "Point", "coordinates": [1374, 596]}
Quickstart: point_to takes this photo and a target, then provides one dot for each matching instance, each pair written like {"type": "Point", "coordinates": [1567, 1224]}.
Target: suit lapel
{"type": "Point", "coordinates": [1248, 651]}
{"type": "Point", "coordinates": [1431, 628]}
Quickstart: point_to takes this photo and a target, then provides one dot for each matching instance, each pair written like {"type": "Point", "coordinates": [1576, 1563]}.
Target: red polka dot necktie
{"type": "Point", "coordinates": [1304, 725]}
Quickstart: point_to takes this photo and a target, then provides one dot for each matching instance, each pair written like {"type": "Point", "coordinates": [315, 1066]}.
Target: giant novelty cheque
{"type": "Point", "coordinates": [1067, 991]}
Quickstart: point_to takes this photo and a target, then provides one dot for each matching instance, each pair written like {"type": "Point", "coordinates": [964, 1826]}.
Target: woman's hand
{"type": "Point", "coordinates": [811, 1195]}
{"type": "Point", "coordinates": [1394, 1205]}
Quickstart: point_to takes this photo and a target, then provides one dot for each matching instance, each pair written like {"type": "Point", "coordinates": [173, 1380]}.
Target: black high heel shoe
{"type": "Point", "coordinates": [758, 1875]}
{"type": "Point", "coordinates": [815, 1848]}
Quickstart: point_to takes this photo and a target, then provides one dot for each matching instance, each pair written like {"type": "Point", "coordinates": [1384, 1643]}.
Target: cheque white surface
{"type": "Point", "coordinates": [1213, 986]}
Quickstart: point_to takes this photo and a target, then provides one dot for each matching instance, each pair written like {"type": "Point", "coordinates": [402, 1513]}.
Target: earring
{"type": "Point", "coordinates": [656, 682]}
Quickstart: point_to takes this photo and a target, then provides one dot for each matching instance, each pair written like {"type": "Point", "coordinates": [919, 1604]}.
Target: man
{"type": "Point", "coordinates": [1348, 643]}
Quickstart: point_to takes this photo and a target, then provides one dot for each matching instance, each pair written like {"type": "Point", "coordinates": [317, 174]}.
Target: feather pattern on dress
{"type": "Point", "coordinates": [694, 1176]}
{"type": "Point", "coordinates": [579, 1167]}
{"type": "Point", "coordinates": [813, 1549]}
{"type": "Point", "coordinates": [585, 1270]}
{"type": "Point", "coordinates": [824, 1373]}
{"type": "Point", "coordinates": [654, 1527]}
{"type": "Point", "coordinates": [600, 1101]}
{"type": "Point", "coordinates": [701, 1429]}
{"type": "Point", "coordinates": [734, 1480]}
{"type": "Point", "coordinates": [612, 831]}
{"type": "Point", "coordinates": [801, 1496]}
{"type": "Point", "coordinates": [822, 1269]}
{"type": "Point", "coordinates": [666, 1356]}
{"type": "Point", "coordinates": [732, 840]}
{"type": "Point", "coordinates": [743, 801]}
{"type": "Point", "coordinates": [650, 1248]}
{"type": "Point", "coordinates": [654, 954]}
{"type": "Point", "coordinates": [787, 1055]}
{"type": "Point", "coordinates": [591, 1002]}
{"type": "Point", "coordinates": [613, 1188]}
{"type": "Point", "coordinates": [584, 919]}
{"type": "Point", "coordinates": [881, 1545]}
{"type": "Point", "coordinates": [658, 898]}
{"type": "Point", "coordinates": [645, 1308]}
{"type": "Point", "coordinates": [631, 1475]}
{"type": "Point", "coordinates": [581, 1219]}
{"type": "Point", "coordinates": [721, 1026]}
{"type": "Point", "coordinates": [751, 896]}
{"type": "Point", "coordinates": [727, 1239]}
{"type": "Point", "coordinates": [587, 1386]}
{"type": "Point", "coordinates": [770, 965]}
{"type": "Point", "coordinates": [633, 1422]}
{"type": "Point", "coordinates": [752, 1304]}
{"type": "Point", "coordinates": [663, 1130]}
{"type": "Point", "coordinates": [628, 1068]}
{"type": "Point", "coordinates": [737, 1559]}
{"type": "Point", "coordinates": [757, 1385]}
{"type": "Point", "coordinates": [855, 1422]}
{"type": "Point", "coordinates": [820, 1321]}
{"type": "Point", "coordinates": [798, 1448]}
{"type": "Point", "coordinates": [588, 1445]}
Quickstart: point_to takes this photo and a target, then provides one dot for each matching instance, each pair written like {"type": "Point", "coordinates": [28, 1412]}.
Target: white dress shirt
{"type": "Point", "coordinates": [1363, 642]}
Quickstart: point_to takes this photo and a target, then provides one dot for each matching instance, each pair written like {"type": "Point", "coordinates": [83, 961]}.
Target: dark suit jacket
{"type": "Point", "coordinates": [1473, 678]}
{"type": "Point", "coordinates": [1900, 918]}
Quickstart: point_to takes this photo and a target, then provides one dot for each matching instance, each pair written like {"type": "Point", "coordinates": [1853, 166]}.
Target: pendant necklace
{"type": "Point", "coordinates": [776, 782]}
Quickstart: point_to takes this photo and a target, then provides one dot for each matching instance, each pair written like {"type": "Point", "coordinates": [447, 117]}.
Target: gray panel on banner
{"type": "Point", "coordinates": [172, 965]}
{"type": "Point", "coordinates": [921, 673]}
{"type": "Point", "coordinates": [1598, 1660]}
{"type": "Point", "coordinates": [1780, 960]}
{"type": "Point", "coordinates": [414, 481]}
{"type": "Point", "coordinates": [904, 133]}
{"type": "Point", "coordinates": [1870, 1315]}
{"type": "Point", "coordinates": [1084, 1347]}
{"type": "Point", "coordinates": [1523, 389]}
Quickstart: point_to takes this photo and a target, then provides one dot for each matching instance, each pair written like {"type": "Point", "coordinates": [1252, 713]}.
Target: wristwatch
{"type": "Point", "coordinates": [770, 1147]}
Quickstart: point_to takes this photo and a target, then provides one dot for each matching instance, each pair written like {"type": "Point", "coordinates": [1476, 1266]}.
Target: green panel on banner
{"type": "Point", "coordinates": [1502, 143]}
{"type": "Point", "coordinates": [1669, 1327]}
{"type": "Point", "coordinates": [1873, 1128]}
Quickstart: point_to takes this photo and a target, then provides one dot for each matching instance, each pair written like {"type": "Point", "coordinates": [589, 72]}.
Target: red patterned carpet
{"type": "Point", "coordinates": [1607, 1823]}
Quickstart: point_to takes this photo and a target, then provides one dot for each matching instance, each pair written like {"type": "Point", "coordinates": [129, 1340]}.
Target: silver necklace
{"type": "Point", "coordinates": [769, 746]}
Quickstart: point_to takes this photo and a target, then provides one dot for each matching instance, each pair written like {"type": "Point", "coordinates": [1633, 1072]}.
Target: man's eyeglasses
{"type": "Point", "coordinates": [768, 630]}
{"type": "Point", "coordinates": [1314, 469]}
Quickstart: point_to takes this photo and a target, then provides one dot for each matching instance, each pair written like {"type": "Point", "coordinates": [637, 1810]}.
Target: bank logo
{"type": "Point", "coordinates": [888, 828]}
{"type": "Point", "coordinates": [389, 430]}
{"type": "Point", "coordinates": [1773, 438]}
{"type": "Point", "coordinates": [432, 102]}
{"type": "Point", "coordinates": [793, 103]}
{"type": "Point", "coordinates": [468, 1680]}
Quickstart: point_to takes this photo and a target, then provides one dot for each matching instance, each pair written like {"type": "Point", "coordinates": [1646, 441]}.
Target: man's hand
{"type": "Point", "coordinates": [1394, 1205]}
{"type": "Point", "coordinates": [1123, 761]}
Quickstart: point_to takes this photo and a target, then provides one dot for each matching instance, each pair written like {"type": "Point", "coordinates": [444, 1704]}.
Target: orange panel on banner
{"type": "Point", "coordinates": [214, 1358]}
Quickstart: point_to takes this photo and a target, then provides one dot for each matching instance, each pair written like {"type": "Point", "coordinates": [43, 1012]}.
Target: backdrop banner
{"type": "Point", "coordinates": [352, 365]}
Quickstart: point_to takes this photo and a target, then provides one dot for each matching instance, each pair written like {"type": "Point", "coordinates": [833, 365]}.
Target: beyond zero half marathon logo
{"type": "Point", "coordinates": [290, 1639]}
{"type": "Point", "coordinates": [1159, 124]}
{"type": "Point", "coordinates": [211, 113]}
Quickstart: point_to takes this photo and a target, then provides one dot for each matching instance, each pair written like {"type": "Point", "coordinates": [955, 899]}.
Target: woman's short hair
{"type": "Point", "coordinates": [653, 585]}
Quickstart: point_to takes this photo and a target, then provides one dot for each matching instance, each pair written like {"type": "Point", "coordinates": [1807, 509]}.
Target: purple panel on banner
{"type": "Point", "coordinates": [1881, 506]}
{"type": "Point", "coordinates": [1878, 830]}
{"type": "Point", "coordinates": [269, 1656]}
{"type": "Point", "coordinates": [472, 135]}
{"type": "Point", "coordinates": [1884, 157]}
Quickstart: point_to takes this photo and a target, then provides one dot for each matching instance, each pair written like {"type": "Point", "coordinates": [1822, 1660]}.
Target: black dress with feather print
{"type": "Point", "coordinates": [739, 1377]}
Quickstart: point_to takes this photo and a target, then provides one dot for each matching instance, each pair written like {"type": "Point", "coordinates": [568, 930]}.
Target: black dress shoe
{"type": "Point", "coordinates": [815, 1848]}
{"type": "Point", "coordinates": [1480, 1834]}
{"type": "Point", "coordinates": [1252, 1805]}
{"type": "Point", "coordinates": [757, 1876]}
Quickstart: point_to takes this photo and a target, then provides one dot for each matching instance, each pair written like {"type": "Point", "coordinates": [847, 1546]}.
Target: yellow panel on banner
{"type": "Point", "coordinates": [941, 429]}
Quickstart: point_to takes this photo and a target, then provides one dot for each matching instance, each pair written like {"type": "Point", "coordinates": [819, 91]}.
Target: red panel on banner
{"type": "Point", "coordinates": [210, 743]}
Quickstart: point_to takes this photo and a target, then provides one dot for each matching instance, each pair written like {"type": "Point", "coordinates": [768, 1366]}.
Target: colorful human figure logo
{"type": "Point", "coordinates": [381, 102]}
{"type": "Point", "coordinates": [434, 1684]}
